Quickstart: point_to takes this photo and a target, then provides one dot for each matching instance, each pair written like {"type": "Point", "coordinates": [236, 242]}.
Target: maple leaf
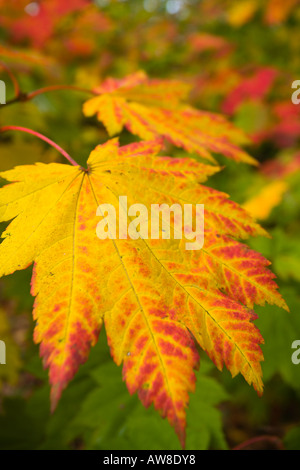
{"type": "Point", "coordinates": [261, 205]}
{"type": "Point", "coordinates": [150, 108]}
{"type": "Point", "coordinates": [241, 13]}
{"type": "Point", "coordinates": [37, 21]}
{"type": "Point", "coordinates": [282, 166]}
{"type": "Point", "coordinates": [11, 352]}
{"type": "Point", "coordinates": [200, 42]}
{"type": "Point", "coordinates": [278, 12]}
{"type": "Point", "coordinates": [156, 299]}
{"type": "Point", "coordinates": [250, 88]}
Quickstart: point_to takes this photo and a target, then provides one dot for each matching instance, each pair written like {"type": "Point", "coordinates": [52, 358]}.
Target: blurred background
{"type": "Point", "coordinates": [240, 58]}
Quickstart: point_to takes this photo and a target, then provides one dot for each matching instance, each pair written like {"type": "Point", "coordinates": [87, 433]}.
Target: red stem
{"type": "Point", "coordinates": [31, 95]}
{"type": "Point", "coordinates": [42, 137]}
{"type": "Point", "coordinates": [12, 77]}
{"type": "Point", "coordinates": [272, 439]}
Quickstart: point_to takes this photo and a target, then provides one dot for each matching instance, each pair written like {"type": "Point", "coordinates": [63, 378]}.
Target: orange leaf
{"type": "Point", "coordinates": [151, 108]}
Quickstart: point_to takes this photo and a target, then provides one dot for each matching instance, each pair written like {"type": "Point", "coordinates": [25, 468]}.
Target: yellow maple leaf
{"type": "Point", "coordinates": [261, 205]}
{"type": "Point", "coordinates": [156, 299]}
{"type": "Point", "coordinates": [242, 12]}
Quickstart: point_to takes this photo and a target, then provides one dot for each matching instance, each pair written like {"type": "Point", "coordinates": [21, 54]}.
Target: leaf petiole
{"type": "Point", "coordinates": [57, 87]}
{"type": "Point", "coordinates": [20, 96]}
{"type": "Point", "coordinates": [12, 77]}
{"type": "Point", "coordinates": [42, 137]}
